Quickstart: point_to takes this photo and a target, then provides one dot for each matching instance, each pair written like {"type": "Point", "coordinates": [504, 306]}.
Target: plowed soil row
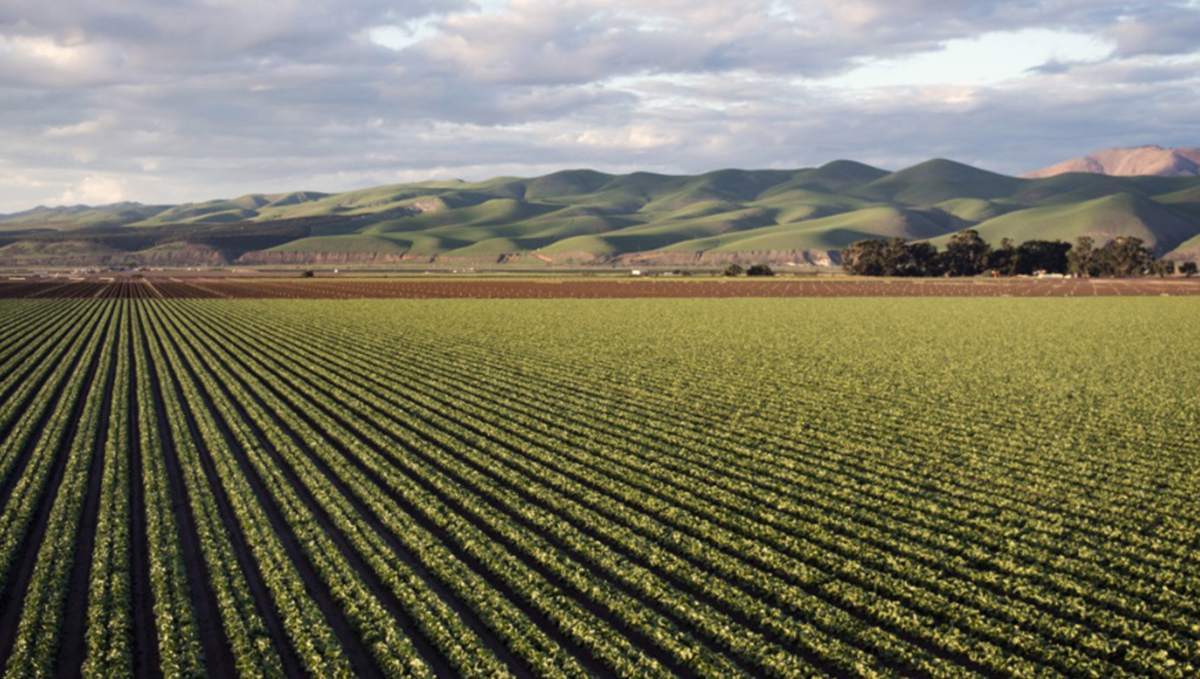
{"type": "Point", "coordinates": [638, 488]}
{"type": "Point", "coordinates": [224, 288]}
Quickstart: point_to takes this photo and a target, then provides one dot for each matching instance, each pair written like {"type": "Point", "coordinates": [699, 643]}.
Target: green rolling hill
{"type": "Point", "coordinates": [589, 217]}
{"type": "Point", "coordinates": [826, 233]}
{"type": "Point", "coordinates": [935, 181]}
{"type": "Point", "coordinates": [1105, 218]}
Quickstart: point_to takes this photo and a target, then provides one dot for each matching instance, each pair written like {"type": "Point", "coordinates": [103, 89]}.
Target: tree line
{"type": "Point", "coordinates": [754, 270]}
{"type": "Point", "coordinates": [968, 254]}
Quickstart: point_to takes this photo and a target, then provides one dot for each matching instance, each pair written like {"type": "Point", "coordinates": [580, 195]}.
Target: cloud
{"type": "Point", "coordinates": [634, 138]}
{"type": "Point", "coordinates": [81, 128]}
{"type": "Point", "coordinates": [1052, 67]}
{"type": "Point", "coordinates": [94, 190]}
{"type": "Point", "coordinates": [67, 60]}
{"type": "Point", "coordinates": [187, 101]}
{"type": "Point", "coordinates": [1169, 29]}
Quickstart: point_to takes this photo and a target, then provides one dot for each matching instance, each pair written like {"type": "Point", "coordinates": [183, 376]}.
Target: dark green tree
{"type": "Point", "coordinates": [759, 270]}
{"type": "Point", "coordinates": [966, 254]}
{"type": "Point", "coordinates": [733, 270]}
{"type": "Point", "coordinates": [902, 258]}
{"type": "Point", "coordinates": [893, 257]}
{"type": "Point", "coordinates": [864, 257]}
{"type": "Point", "coordinates": [1003, 260]}
{"type": "Point", "coordinates": [1188, 269]}
{"type": "Point", "coordinates": [1162, 268]}
{"type": "Point", "coordinates": [923, 260]}
{"type": "Point", "coordinates": [896, 257]}
{"type": "Point", "coordinates": [1042, 255]}
{"type": "Point", "coordinates": [1124, 256]}
{"type": "Point", "coordinates": [1082, 259]}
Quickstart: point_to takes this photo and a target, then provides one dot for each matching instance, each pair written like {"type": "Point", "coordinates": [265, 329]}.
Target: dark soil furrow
{"type": "Point", "coordinates": [627, 554]}
{"type": "Point", "coordinates": [35, 335]}
{"type": "Point", "coordinates": [21, 571]}
{"type": "Point", "coordinates": [40, 391]}
{"type": "Point", "coordinates": [218, 656]}
{"type": "Point", "coordinates": [146, 662]}
{"type": "Point", "coordinates": [667, 497]}
{"type": "Point", "coordinates": [74, 641]}
{"type": "Point", "coordinates": [360, 657]}
{"type": "Point", "coordinates": [428, 651]}
{"type": "Point", "coordinates": [645, 644]}
{"type": "Point", "coordinates": [755, 480]}
{"type": "Point", "coordinates": [515, 665]}
{"type": "Point", "coordinates": [583, 560]}
{"type": "Point", "coordinates": [419, 515]}
{"type": "Point", "coordinates": [249, 566]}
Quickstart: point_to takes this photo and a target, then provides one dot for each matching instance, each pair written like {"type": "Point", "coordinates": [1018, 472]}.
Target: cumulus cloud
{"type": "Point", "coordinates": [1165, 30]}
{"type": "Point", "coordinates": [178, 101]}
{"type": "Point", "coordinates": [94, 190]}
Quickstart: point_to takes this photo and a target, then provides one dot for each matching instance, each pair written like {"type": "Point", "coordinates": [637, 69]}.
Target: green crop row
{"type": "Point", "coordinates": [570, 488]}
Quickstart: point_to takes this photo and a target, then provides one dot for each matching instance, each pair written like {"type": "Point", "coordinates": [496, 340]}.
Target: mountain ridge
{"type": "Point", "coordinates": [586, 217]}
{"type": "Point", "coordinates": [1135, 161]}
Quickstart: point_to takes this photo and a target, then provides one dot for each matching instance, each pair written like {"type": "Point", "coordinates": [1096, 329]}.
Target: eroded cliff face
{"type": "Point", "coordinates": [267, 257]}
{"type": "Point", "coordinates": [68, 254]}
{"type": "Point", "coordinates": [188, 255]}
{"type": "Point", "coordinates": [185, 254]}
{"type": "Point", "coordinates": [776, 257]}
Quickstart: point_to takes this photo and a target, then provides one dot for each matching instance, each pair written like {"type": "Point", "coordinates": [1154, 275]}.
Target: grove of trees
{"type": "Point", "coordinates": [967, 254]}
{"type": "Point", "coordinates": [754, 270]}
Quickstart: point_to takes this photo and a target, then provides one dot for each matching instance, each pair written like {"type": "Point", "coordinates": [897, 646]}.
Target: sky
{"type": "Point", "coordinates": [169, 101]}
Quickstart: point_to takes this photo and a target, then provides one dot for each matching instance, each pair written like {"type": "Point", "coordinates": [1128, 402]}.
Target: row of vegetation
{"type": "Point", "coordinates": [754, 270]}
{"type": "Point", "coordinates": [508, 488]}
{"type": "Point", "coordinates": [968, 254]}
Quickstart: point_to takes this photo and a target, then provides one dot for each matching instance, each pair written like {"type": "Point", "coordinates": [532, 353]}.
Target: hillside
{"type": "Point", "coordinates": [1130, 162]}
{"type": "Point", "coordinates": [584, 217]}
{"type": "Point", "coordinates": [1119, 214]}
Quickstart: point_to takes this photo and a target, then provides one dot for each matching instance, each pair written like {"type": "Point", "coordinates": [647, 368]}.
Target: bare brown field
{"type": "Point", "coordinates": [584, 288]}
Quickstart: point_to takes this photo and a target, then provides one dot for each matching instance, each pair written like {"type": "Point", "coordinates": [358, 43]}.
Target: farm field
{"type": "Point", "coordinates": [578, 287]}
{"type": "Point", "coordinates": [942, 486]}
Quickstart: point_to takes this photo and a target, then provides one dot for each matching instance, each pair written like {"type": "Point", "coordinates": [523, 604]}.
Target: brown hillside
{"type": "Point", "coordinates": [1130, 162]}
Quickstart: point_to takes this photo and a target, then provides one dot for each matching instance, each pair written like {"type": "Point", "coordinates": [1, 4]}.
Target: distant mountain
{"type": "Point", "coordinates": [43, 213]}
{"type": "Point", "coordinates": [77, 216]}
{"type": "Point", "coordinates": [584, 217]}
{"type": "Point", "coordinates": [1130, 162]}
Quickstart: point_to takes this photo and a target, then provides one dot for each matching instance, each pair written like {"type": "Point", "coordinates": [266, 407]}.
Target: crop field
{"type": "Point", "coordinates": [792, 487]}
{"type": "Point", "coordinates": [577, 287]}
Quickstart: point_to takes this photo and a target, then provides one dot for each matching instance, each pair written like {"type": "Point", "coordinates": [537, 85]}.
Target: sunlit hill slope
{"type": "Point", "coordinates": [584, 217]}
